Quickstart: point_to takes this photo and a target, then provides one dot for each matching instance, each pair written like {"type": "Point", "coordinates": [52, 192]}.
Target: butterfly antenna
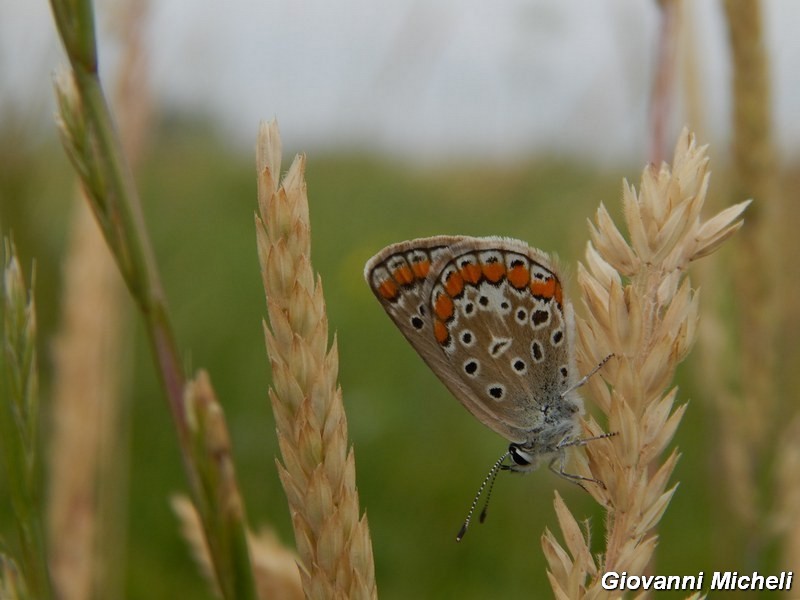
{"type": "Point", "coordinates": [586, 377]}
{"type": "Point", "coordinates": [489, 479]}
{"type": "Point", "coordinates": [482, 516]}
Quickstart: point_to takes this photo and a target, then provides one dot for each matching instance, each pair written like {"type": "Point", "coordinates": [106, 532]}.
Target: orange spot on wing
{"type": "Point", "coordinates": [403, 275]}
{"type": "Point", "coordinates": [421, 268]}
{"type": "Point", "coordinates": [388, 290]}
{"type": "Point", "coordinates": [494, 272]}
{"type": "Point", "coordinates": [441, 333]}
{"type": "Point", "coordinates": [519, 276]}
{"type": "Point", "coordinates": [454, 284]}
{"type": "Point", "coordinates": [544, 289]}
{"type": "Point", "coordinates": [443, 307]}
{"type": "Point", "coordinates": [470, 273]}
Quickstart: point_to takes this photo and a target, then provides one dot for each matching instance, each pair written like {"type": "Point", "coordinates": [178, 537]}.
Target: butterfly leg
{"type": "Point", "coordinates": [586, 377]}
{"type": "Point", "coordinates": [576, 479]}
{"type": "Point", "coordinates": [584, 441]}
{"type": "Point", "coordinates": [571, 477]}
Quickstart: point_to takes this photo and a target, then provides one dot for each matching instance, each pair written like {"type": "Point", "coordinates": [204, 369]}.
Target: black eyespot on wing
{"type": "Point", "coordinates": [496, 391]}
{"type": "Point", "coordinates": [471, 367]}
{"type": "Point", "coordinates": [417, 323]}
{"type": "Point", "coordinates": [539, 317]}
{"type": "Point", "coordinates": [536, 351]}
{"type": "Point", "coordinates": [483, 301]}
{"type": "Point", "coordinates": [558, 335]}
{"type": "Point", "coordinates": [518, 365]}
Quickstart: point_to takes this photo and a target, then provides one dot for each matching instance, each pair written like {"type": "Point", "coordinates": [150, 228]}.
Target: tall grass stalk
{"type": "Point", "coordinates": [749, 361]}
{"type": "Point", "coordinates": [318, 468]}
{"type": "Point", "coordinates": [88, 474]}
{"type": "Point", "coordinates": [662, 94]}
{"type": "Point", "coordinates": [759, 417]}
{"type": "Point", "coordinates": [641, 308]}
{"type": "Point", "coordinates": [745, 396]}
{"type": "Point", "coordinates": [89, 136]}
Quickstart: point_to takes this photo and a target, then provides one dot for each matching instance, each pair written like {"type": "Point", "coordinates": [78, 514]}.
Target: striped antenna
{"type": "Point", "coordinates": [488, 480]}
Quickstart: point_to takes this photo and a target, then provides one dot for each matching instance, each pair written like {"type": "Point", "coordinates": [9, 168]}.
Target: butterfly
{"type": "Point", "coordinates": [489, 317]}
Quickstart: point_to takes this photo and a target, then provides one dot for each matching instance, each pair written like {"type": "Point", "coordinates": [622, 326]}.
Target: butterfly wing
{"type": "Point", "coordinates": [397, 275]}
{"type": "Point", "coordinates": [488, 316]}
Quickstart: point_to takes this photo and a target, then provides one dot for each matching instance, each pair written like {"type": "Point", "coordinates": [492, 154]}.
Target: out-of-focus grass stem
{"type": "Point", "coordinates": [94, 148]}
{"type": "Point", "coordinates": [91, 141]}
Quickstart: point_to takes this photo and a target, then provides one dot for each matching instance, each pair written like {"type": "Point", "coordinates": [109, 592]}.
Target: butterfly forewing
{"type": "Point", "coordinates": [489, 317]}
{"type": "Point", "coordinates": [397, 276]}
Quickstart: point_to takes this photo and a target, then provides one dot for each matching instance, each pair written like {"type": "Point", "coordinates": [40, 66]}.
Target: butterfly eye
{"type": "Point", "coordinates": [518, 456]}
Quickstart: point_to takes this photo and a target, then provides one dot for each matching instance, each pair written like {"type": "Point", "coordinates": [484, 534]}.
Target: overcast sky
{"type": "Point", "coordinates": [433, 78]}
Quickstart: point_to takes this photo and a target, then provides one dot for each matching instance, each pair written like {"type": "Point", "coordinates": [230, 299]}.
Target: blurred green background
{"type": "Point", "coordinates": [419, 456]}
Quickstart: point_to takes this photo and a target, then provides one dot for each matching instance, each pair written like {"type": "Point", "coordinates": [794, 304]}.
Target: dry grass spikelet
{"type": "Point", "coordinates": [318, 468]}
{"type": "Point", "coordinates": [640, 307]}
{"type": "Point", "coordinates": [274, 567]}
{"type": "Point", "coordinates": [218, 504]}
{"type": "Point", "coordinates": [25, 572]}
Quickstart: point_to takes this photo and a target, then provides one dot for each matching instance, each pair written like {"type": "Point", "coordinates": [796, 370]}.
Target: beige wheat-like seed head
{"type": "Point", "coordinates": [641, 308]}
{"type": "Point", "coordinates": [318, 468]}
